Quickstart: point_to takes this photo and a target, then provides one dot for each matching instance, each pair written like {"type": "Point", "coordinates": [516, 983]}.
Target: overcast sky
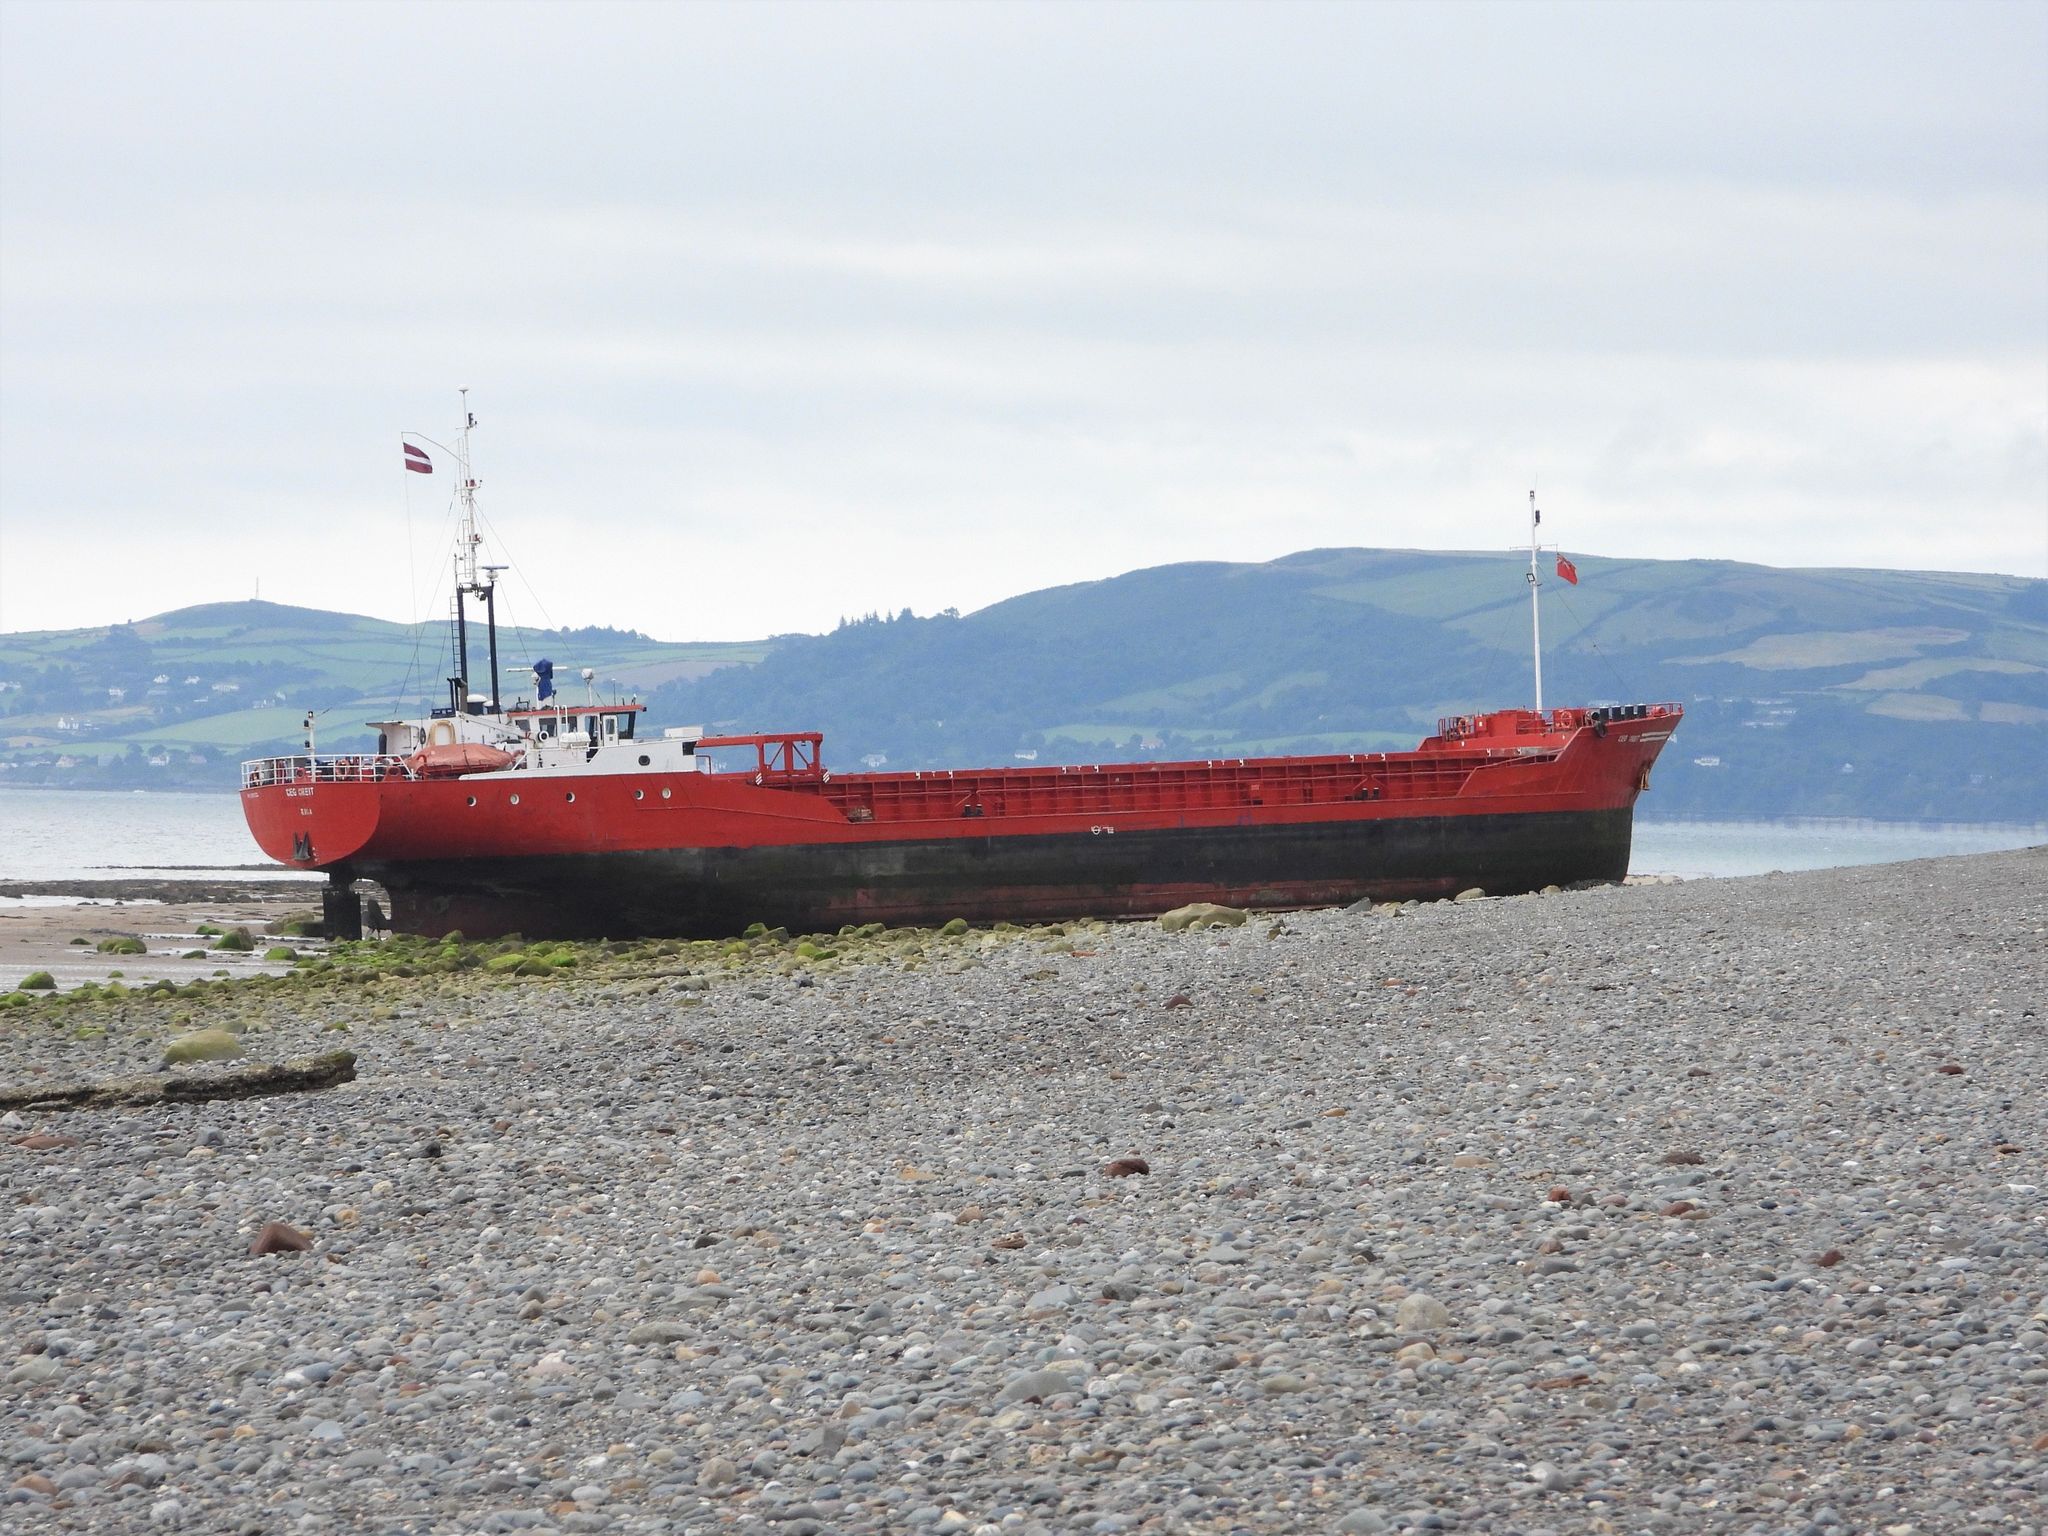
{"type": "Point", "coordinates": [772, 314]}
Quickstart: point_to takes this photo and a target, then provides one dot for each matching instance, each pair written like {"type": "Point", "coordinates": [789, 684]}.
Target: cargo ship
{"type": "Point", "coordinates": [560, 818]}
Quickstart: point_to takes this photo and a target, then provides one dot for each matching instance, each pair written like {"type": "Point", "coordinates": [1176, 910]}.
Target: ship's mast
{"type": "Point", "coordinates": [1535, 611]}
{"type": "Point", "coordinates": [465, 549]}
{"type": "Point", "coordinates": [469, 579]}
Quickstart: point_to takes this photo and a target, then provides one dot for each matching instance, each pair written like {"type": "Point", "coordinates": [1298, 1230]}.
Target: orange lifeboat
{"type": "Point", "coordinates": [452, 760]}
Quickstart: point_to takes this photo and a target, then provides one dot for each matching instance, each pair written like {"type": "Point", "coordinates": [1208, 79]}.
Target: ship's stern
{"type": "Point", "coordinates": [310, 813]}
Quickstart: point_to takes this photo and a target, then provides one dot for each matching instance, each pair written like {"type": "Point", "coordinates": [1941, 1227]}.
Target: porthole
{"type": "Point", "coordinates": [664, 794]}
{"type": "Point", "coordinates": [639, 794]}
{"type": "Point", "coordinates": [570, 797]}
{"type": "Point", "coordinates": [645, 759]}
{"type": "Point", "coordinates": [472, 799]}
{"type": "Point", "coordinates": [515, 799]}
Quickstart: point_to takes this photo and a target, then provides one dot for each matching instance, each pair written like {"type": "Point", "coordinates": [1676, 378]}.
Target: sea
{"type": "Point", "coordinates": [84, 834]}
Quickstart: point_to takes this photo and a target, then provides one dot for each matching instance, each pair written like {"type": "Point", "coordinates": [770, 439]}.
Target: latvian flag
{"type": "Point", "coordinates": [417, 461]}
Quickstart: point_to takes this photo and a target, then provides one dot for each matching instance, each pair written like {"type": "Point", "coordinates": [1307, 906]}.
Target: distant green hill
{"type": "Point", "coordinates": [199, 688]}
{"type": "Point", "coordinates": [1856, 693]}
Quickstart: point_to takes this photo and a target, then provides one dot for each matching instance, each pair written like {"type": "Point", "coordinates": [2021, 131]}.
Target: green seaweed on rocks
{"type": "Point", "coordinates": [38, 981]}
{"type": "Point", "coordinates": [123, 944]}
{"type": "Point", "coordinates": [1202, 914]}
{"type": "Point", "coordinates": [237, 940]}
{"type": "Point", "coordinates": [202, 1045]}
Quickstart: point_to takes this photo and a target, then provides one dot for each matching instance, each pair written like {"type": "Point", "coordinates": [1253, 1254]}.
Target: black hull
{"type": "Point", "coordinates": [818, 887]}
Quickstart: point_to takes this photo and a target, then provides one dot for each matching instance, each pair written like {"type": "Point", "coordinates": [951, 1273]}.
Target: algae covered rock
{"type": "Point", "coordinates": [239, 940]}
{"type": "Point", "coordinates": [123, 944]}
{"type": "Point", "coordinates": [1202, 914]}
{"type": "Point", "coordinates": [38, 981]}
{"type": "Point", "coordinates": [202, 1045]}
{"type": "Point", "coordinates": [280, 952]}
{"type": "Point", "coordinates": [954, 929]}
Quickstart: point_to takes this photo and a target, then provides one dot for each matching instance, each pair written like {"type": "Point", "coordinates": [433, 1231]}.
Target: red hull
{"type": "Point", "coordinates": [448, 835]}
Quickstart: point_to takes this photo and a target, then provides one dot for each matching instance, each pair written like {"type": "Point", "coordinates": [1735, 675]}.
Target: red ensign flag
{"type": "Point", "coordinates": [1567, 570]}
{"type": "Point", "coordinates": [417, 461]}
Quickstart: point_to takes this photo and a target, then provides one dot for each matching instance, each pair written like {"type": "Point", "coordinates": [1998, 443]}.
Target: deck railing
{"type": "Point", "coordinates": [349, 768]}
{"type": "Point", "coordinates": [1526, 722]}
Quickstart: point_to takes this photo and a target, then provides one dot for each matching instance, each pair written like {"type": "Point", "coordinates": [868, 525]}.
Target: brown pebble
{"type": "Point", "coordinates": [1124, 1167]}
{"type": "Point", "coordinates": [1698, 1072]}
{"type": "Point", "coordinates": [277, 1237]}
{"type": "Point", "coordinates": [35, 1482]}
{"type": "Point", "coordinates": [45, 1141]}
{"type": "Point", "coordinates": [1550, 1245]}
{"type": "Point", "coordinates": [2006, 1147]}
{"type": "Point", "coordinates": [1180, 1000]}
{"type": "Point", "coordinates": [1829, 1259]}
{"type": "Point", "coordinates": [1559, 1383]}
{"type": "Point", "coordinates": [1009, 1240]}
{"type": "Point", "coordinates": [1950, 1069]}
{"type": "Point", "coordinates": [1679, 1208]}
{"type": "Point", "coordinates": [1683, 1156]}
{"type": "Point", "coordinates": [967, 1213]}
{"type": "Point", "coordinates": [2041, 1442]}
{"type": "Point", "coordinates": [1560, 1194]}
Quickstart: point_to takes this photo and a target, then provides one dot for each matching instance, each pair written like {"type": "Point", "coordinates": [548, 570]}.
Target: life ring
{"type": "Point", "coordinates": [441, 734]}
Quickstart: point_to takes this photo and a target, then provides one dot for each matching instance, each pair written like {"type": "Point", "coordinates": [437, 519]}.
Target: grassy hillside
{"type": "Point", "coordinates": [200, 687]}
{"type": "Point", "coordinates": [1861, 693]}
{"type": "Point", "coordinates": [1874, 693]}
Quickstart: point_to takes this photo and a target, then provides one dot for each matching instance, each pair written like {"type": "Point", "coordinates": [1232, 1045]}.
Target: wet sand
{"type": "Point", "coordinates": [37, 932]}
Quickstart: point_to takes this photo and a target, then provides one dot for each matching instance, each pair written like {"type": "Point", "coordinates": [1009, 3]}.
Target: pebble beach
{"type": "Point", "coordinates": [1713, 1206]}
